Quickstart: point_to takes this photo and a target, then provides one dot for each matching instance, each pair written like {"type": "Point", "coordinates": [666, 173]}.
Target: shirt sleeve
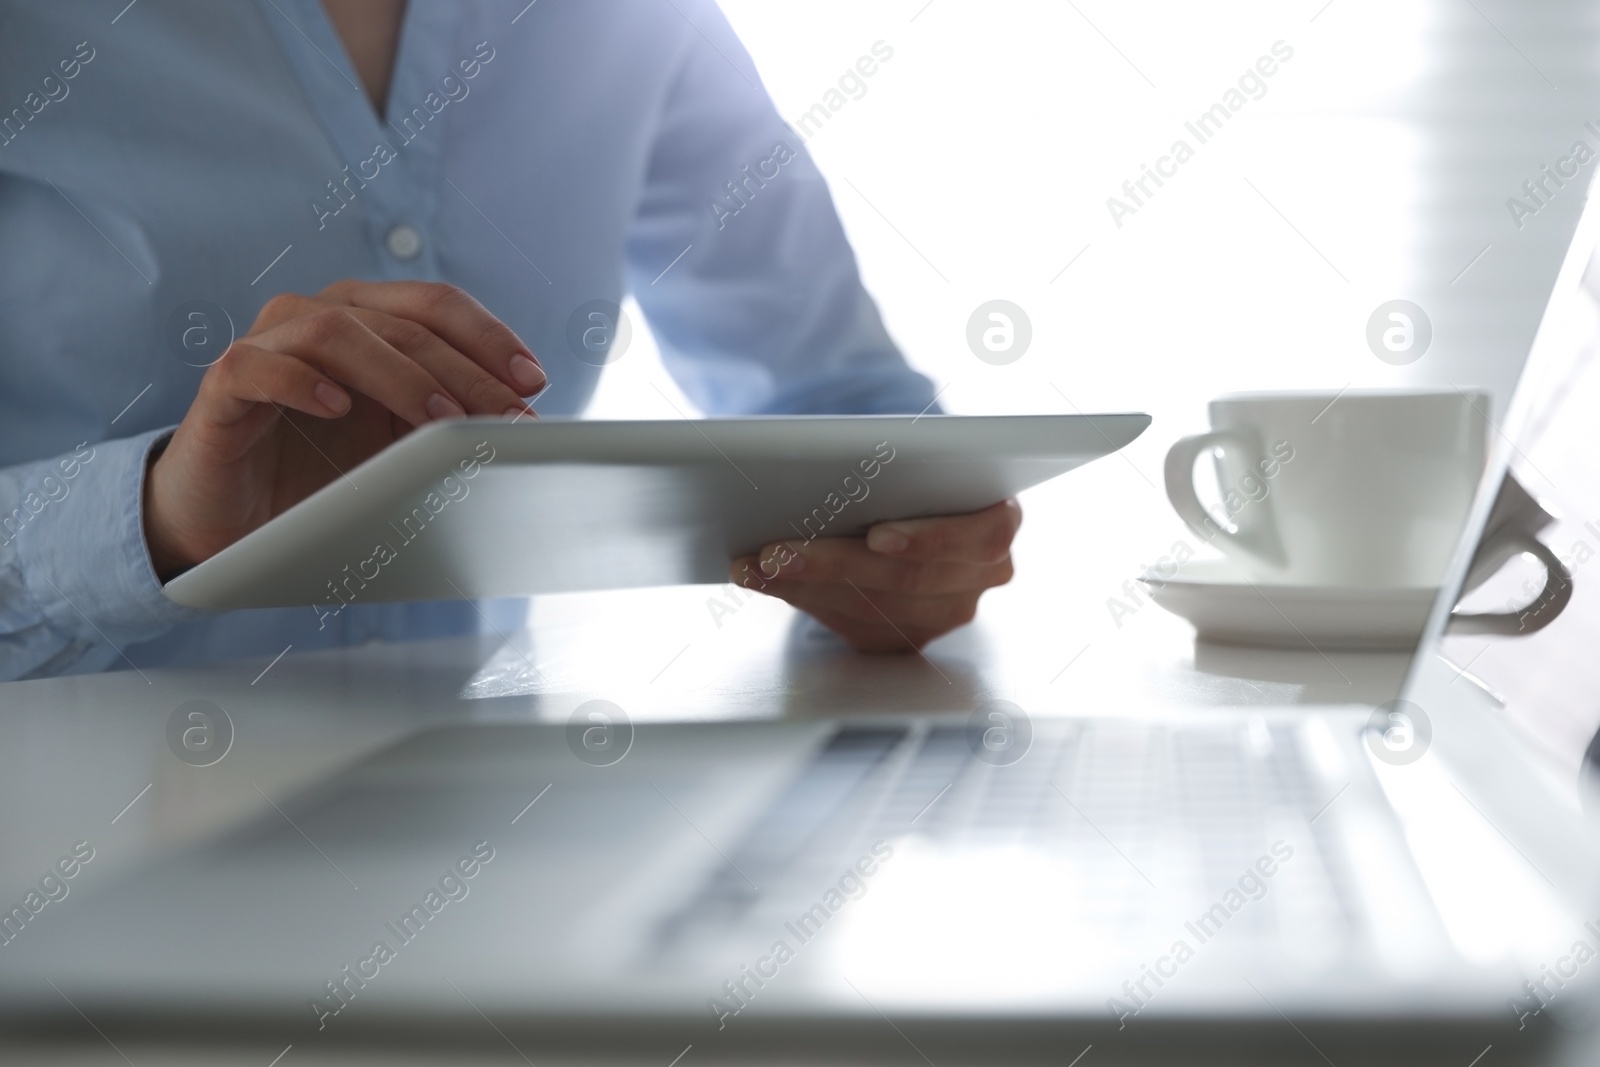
{"type": "Point", "coordinates": [738, 258]}
{"type": "Point", "coordinates": [76, 583]}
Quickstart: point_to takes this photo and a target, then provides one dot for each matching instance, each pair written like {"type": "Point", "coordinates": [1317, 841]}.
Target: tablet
{"type": "Point", "coordinates": [491, 507]}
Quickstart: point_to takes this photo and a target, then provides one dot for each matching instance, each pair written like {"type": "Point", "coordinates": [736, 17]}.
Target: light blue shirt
{"type": "Point", "coordinates": [541, 156]}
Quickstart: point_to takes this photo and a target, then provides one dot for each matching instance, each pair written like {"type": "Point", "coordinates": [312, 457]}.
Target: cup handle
{"type": "Point", "coordinates": [1256, 539]}
{"type": "Point", "coordinates": [1531, 617]}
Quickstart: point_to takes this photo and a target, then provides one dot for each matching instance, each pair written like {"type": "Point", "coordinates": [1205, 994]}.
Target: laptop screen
{"type": "Point", "coordinates": [1543, 667]}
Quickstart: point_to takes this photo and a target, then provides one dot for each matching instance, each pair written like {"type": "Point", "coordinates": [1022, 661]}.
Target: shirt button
{"type": "Point", "coordinates": [404, 242]}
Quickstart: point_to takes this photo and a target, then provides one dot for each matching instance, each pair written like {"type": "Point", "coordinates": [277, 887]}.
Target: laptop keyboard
{"type": "Point", "coordinates": [1148, 822]}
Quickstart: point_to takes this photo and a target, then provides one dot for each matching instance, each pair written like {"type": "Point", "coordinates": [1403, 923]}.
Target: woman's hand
{"type": "Point", "coordinates": [899, 587]}
{"type": "Point", "coordinates": [319, 385]}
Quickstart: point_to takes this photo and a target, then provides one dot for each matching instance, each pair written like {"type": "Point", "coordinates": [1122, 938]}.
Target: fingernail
{"type": "Point", "coordinates": [440, 406]}
{"type": "Point", "coordinates": [794, 564]}
{"type": "Point", "coordinates": [527, 374]}
{"type": "Point", "coordinates": [883, 539]}
{"type": "Point", "coordinates": [333, 399]}
{"type": "Point", "coordinates": [521, 412]}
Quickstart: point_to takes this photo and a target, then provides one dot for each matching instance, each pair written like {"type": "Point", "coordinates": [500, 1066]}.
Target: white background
{"type": "Point", "coordinates": [992, 139]}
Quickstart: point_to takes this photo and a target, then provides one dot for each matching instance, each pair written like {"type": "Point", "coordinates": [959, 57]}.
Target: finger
{"type": "Point", "coordinates": [332, 340]}
{"type": "Point", "coordinates": [980, 537]}
{"type": "Point", "coordinates": [478, 391]}
{"type": "Point", "coordinates": [257, 375]}
{"type": "Point", "coordinates": [837, 560]}
{"type": "Point", "coordinates": [457, 318]}
{"type": "Point", "coordinates": [283, 307]}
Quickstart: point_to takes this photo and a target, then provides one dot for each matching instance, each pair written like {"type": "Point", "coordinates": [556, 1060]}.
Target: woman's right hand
{"type": "Point", "coordinates": [317, 386]}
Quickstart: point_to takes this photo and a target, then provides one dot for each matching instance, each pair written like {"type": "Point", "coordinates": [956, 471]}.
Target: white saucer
{"type": "Point", "coordinates": [1218, 597]}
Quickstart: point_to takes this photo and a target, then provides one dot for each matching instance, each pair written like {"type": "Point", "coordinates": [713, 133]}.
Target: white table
{"type": "Point", "coordinates": [87, 757]}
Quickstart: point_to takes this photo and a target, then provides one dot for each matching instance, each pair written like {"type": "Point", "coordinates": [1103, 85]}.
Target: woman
{"type": "Point", "coordinates": [176, 171]}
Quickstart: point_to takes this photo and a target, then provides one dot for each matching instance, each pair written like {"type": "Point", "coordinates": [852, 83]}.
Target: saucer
{"type": "Point", "coordinates": [1226, 605]}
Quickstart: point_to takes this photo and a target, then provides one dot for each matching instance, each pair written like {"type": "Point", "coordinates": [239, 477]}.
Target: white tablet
{"type": "Point", "coordinates": [486, 507]}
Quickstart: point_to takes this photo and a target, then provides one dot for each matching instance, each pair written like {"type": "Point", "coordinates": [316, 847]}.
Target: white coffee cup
{"type": "Point", "coordinates": [1512, 530]}
{"type": "Point", "coordinates": [1355, 488]}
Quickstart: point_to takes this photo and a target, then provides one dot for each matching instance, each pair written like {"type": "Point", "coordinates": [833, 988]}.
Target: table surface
{"type": "Point", "coordinates": [87, 757]}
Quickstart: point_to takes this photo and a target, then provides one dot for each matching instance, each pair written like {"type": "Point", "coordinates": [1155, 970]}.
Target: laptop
{"type": "Point", "coordinates": [1300, 884]}
{"type": "Point", "coordinates": [1414, 882]}
{"type": "Point", "coordinates": [1001, 886]}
